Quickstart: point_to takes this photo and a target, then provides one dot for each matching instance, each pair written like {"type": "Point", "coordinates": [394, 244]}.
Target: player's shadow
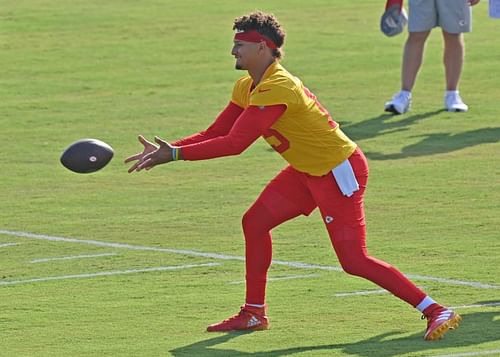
{"type": "Point", "coordinates": [431, 144]}
{"type": "Point", "coordinates": [440, 143]}
{"type": "Point", "coordinates": [476, 329]}
{"type": "Point", "coordinates": [384, 124]}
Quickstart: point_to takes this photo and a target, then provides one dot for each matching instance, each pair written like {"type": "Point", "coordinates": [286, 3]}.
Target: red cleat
{"type": "Point", "coordinates": [249, 318]}
{"type": "Point", "coordinates": [439, 322]}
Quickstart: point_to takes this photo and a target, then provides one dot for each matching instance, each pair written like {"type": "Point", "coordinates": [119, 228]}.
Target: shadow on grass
{"type": "Point", "coordinates": [384, 124]}
{"type": "Point", "coordinates": [477, 328]}
{"type": "Point", "coordinates": [436, 143]}
{"type": "Point", "coordinates": [440, 143]}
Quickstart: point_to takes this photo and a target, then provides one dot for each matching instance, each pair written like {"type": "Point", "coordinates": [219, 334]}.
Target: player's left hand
{"type": "Point", "coordinates": [152, 155]}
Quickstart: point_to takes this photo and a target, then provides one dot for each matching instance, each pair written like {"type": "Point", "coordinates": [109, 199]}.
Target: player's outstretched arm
{"type": "Point", "coordinates": [151, 156]}
{"type": "Point", "coordinates": [251, 124]}
{"type": "Point", "coordinates": [220, 127]}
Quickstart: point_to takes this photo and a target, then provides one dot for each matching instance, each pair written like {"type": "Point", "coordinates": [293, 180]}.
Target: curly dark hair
{"type": "Point", "coordinates": [265, 24]}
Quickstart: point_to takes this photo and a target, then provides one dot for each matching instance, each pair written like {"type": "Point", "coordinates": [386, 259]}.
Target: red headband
{"type": "Point", "coordinates": [254, 36]}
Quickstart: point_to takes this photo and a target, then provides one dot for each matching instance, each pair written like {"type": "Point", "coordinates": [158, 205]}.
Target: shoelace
{"type": "Point", "coordinates": [242, 312]}
{"type": "Point", "coordinates": [428, 318]}
{"type": "Point", "coordinates": [402, 97]}
{"type": "Point", "coordinates": [434, 313]}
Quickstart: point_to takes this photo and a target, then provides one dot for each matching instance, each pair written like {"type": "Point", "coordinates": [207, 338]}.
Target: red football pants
{"type": "Point", "coordinates": [292, 193]}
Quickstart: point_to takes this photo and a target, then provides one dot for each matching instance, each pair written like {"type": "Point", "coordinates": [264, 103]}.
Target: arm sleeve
{"type": "Point", "coordinates": [220, 127]}
{"type": "Point", "coordinates": [248, 127]}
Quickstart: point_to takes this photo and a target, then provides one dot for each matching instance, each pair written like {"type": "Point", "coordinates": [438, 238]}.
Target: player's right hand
{"type": "Point", "coordinates": [149, 147]}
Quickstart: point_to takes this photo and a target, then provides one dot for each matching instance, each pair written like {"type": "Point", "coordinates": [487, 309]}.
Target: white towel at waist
{"type": "Point", "coordinates": [344, 176]}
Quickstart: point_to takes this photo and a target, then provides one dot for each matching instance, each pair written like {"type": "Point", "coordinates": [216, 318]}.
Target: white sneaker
{"type": "Point", "coordinates": [400, 103]}
{"type": "Point", "coordinates": [453, 102]}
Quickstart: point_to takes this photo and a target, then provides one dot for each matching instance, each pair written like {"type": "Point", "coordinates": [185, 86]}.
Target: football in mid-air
{"type": "Point", "coordinates": [86, 155]}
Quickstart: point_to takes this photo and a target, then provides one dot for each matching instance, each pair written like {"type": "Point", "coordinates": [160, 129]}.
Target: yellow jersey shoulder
{"type": "Point", "coordinates": [241, 91]}
{"type": "Point", "coordinates": [277, 86]}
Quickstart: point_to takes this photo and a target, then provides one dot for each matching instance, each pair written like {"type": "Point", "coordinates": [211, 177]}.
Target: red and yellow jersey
{"type": "Point", "coordinates": [305, 134]}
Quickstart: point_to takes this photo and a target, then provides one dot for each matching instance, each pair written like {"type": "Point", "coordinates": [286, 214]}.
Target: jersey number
{"type": "Point", "coordinates": [280, 144]}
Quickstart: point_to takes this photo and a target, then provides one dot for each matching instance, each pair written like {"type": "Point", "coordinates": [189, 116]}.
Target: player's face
{"type": "Point", "coordinates": [245, 53]}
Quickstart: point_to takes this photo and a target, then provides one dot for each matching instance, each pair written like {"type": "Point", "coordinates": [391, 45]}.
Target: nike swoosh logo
{"type": "Point", "coordinates": [263, 90]}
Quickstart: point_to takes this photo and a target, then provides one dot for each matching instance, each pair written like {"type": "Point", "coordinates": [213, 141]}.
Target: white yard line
{"type": "Point", "coordinates": [369, 292]}
{"type": "Point", "coordinates": [467, 354]}
{"type": "Point", "coordinates": [288, 277]}
{"type": "Point", "coordinates": [366, 292]}
{"type": "Point", "coordinates": [453, 281]}
{"type": "Point", "coordinates": [298, 265]}
{"type": "Point", "coordinates": [7, 244]}
{"type": "Point", "coordinates": [106, 273]}
{"type": "Point", "coordinates": [488, 304]}
{"type": "Point", "coordinates": [82, 256]}
{"type": "Point", "coordinates": [120, 245]}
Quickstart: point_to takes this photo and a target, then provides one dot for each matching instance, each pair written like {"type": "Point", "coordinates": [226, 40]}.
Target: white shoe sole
{"type": "Point", "coordinates": [457, 110]}
{"type": "Point", "coordinates": [392, 109]}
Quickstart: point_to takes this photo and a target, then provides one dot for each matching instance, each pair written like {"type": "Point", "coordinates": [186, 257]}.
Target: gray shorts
{"type": "Point", "coordinates": [453, 16]}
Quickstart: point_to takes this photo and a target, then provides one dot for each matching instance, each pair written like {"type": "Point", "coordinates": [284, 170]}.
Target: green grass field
{"type": "Point", "coordinates": [156, 256]}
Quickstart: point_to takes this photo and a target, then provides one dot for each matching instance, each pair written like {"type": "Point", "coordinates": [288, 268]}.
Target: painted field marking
{"type": "Point", "coordinates": [466, 354]}
{"type": "Point", "coordinates": [7, 244]}
{"type": "Point", "coordinates": [383, 291]}
{"type": "Point", "coordinates": [288, 277]}
{"type": "Point", "coordinates": [230, 257]}
{"type": "Point", "coordinates": [82, 256]}
{"type": "Point", "coordinates": [120, 245]}
{"type": "Point", "coordinates": [106, 273]}
{"type": "Point", "coordinates": [489, 304]}
{"type": "Point", "coordinates": [368, 292]}
{"type": "Point", "coordinates": [453, 281]}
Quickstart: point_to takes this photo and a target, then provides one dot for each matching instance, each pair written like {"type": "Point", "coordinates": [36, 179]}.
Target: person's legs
{"type": "Point", "coordinates": [412, 58]}
{"type": "Point", "coordinates": [284, 198]}
{"type": "Point", "coordinates": [347, 232]}
{"type": "Point", "coordinates": [345, 222]}
{"type": "Point", "coordinates": [258, 222]}
{"type": "Point", "coordinates": [422, 19]}
{"type": "Point", "coordinates": [453, 58]}
{"type": "Point", "coordinates": [455, 18]}
{"type": "Point", "coordinates": [355, 260]}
